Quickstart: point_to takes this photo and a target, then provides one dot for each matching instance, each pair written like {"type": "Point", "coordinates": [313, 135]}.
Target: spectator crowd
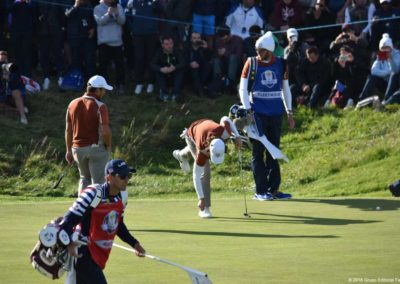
{"type": "Point", "coordinates": [338, 51]}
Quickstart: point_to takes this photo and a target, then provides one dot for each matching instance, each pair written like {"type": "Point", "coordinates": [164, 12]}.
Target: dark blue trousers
{"type": "Point", "coordinates": [87, 271]}
{"type": "Point", "coordinates": [266, 170]}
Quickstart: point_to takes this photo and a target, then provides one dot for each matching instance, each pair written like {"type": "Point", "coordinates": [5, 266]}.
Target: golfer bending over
{"type": "Point", "coordinates": [99, 214]}
{"type": "Point", "coordinates": [205, 140]}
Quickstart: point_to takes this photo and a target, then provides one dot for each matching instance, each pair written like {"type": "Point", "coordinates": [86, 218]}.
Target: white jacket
{"type": "Point", "coordinates": [240, 20]}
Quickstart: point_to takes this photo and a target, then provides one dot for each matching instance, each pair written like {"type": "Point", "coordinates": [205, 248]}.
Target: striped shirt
{"type": "Point", "coordinates": [80, 211]}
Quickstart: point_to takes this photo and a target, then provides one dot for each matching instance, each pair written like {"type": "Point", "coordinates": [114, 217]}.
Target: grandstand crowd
{"type": "Point", "coordinates": [337, 51]}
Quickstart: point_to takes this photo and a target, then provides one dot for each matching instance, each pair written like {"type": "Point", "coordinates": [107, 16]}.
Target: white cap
{"type": "Point", "coordinates": [385, 41]}
{"type": "Point", "coordinates": [217, 151]}
{"type": "Point", "coordinates": [266, 42]}
{"type": "Point", "coordinates": [381, 1]}
{"type": "Point", "coordinates": [98, 81]}
{"type": "Point", "coordinates": [291, 32]}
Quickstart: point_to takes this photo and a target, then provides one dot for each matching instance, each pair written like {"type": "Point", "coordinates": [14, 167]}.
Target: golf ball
{"type": "Point", "coordinates": [378, 208]}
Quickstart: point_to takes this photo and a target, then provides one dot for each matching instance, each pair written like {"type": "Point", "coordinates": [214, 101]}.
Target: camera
{"type": "Point", "coordinates": [345, 38]}
{"type": "Point", "coordinates": [294, 46]}
{"type": "Point", "coordinates": [198, 43]}
{"type": "Point", "coordinates": [8, 68]}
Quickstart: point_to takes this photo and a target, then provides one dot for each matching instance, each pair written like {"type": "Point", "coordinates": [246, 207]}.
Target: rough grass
{"type": "Point", "coordinates": [357, 150]}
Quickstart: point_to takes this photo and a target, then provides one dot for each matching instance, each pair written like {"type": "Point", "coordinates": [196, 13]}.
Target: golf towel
{"type": "Point", "coordinates": [252, 132]}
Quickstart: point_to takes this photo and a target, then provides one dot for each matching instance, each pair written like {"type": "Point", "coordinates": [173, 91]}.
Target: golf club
{"type": "Point", "coordinates": [246, 214]}
{"type": "Point", "coordinates": [61, 176]}
{"type": "Point", "coordinates": [197, 277]}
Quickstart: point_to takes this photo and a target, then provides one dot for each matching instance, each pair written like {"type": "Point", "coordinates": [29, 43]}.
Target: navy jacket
{"type": "Point", "coordinates": [161, 59]}
{"type": "Point", "coordinates": [23, 17]}
{"type": "Point", "coordinates": [79, 21]}
{"type": "Point", "coordinates": [142, 17]}
{"type": "Point", "coordinates": [50, 18]}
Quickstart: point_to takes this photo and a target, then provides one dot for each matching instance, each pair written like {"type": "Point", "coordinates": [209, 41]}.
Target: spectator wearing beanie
{"type": "Point", "coordinates": [384, 71]}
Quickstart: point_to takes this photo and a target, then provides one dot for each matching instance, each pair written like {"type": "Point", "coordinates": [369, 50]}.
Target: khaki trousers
{"type": "Point", "coordinates": [206, 177]}
{"type": "Point", "coordinates": [91, 161]}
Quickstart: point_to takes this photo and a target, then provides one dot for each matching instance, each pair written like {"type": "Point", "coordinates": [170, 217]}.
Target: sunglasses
{"type": "Point", "coordinates": [123, 176]}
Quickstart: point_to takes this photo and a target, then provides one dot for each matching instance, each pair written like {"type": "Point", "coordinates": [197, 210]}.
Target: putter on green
{"type": "Point", "coordinates": [246, 214]}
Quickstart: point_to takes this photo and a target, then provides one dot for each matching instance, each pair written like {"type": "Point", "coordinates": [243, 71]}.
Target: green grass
{"type": "Point", "coordinates": [332, 152]}
{"type": "Point", "coordinates": [306, 240]}
{"type": "Point", "coordinates": [349, 155]}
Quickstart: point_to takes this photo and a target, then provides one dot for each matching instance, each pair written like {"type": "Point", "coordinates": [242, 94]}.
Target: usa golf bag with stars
{"type": "Point", "coordinates": [50, 255]}
{"type": "Point", "coordinates": [241, 118]}
{"type": "Point", "coordinates": [249, 124]}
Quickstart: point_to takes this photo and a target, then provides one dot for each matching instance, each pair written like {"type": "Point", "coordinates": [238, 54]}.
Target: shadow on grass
{"type": "Point", "coordinates": [291, 219]}
{"type": "Point", "coordinates": [362, 204]}
{"type": "Point", "coordinates": [231, 234]}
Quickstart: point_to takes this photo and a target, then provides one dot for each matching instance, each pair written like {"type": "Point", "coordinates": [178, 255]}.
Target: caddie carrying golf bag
{"type": "Point", "coordinates": [50, 256]}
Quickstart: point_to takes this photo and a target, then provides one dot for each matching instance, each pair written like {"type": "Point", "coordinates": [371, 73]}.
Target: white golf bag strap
{"type": "Point", "coordinates": [124, 197]}
{"type": "Point", "coordinates": [97, 199]}
{"type": "Point", "coordinates": [184, 133]}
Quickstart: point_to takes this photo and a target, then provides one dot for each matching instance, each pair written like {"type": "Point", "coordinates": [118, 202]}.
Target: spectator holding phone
{"type": "Point", "coordinates": [343, 72]}
{"type": "Point", "coordinates": [320, 16]}
{"type": "Point", "coordinates": [110, 18]}
{"type": "Point", "coordinates": [198, 57]}
{"type": "Point", "coordinates": [294, 53]}
{"type": "Point", "coordinates": [384, 71]}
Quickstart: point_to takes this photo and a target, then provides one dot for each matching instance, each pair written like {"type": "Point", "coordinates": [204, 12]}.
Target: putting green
{"type": "Point", "coordinates": [298, 241]}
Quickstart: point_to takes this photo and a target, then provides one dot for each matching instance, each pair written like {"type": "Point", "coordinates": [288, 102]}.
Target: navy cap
{"type": "Point", "coordinates": [118, 167]}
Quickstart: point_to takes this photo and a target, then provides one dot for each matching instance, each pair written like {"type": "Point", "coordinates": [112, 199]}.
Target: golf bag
{"type": "Point", "coordinates": [395, 188]}
{"type": "Point", "coordinates": [50, 255]}
{"type": "Point", "coordinates": [240, 116]}
{"type": "Point", "coordinates": [31, 86]}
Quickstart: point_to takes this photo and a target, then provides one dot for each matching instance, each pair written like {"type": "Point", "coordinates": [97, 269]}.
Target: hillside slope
{"type": "Point", "coordinates": [331, 152]}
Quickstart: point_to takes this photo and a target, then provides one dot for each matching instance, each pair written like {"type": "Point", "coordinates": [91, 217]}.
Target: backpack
{"type": "Point", "coordinates": [73, 81]}
{"type": "Point", "coordinates": [339, 100]}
